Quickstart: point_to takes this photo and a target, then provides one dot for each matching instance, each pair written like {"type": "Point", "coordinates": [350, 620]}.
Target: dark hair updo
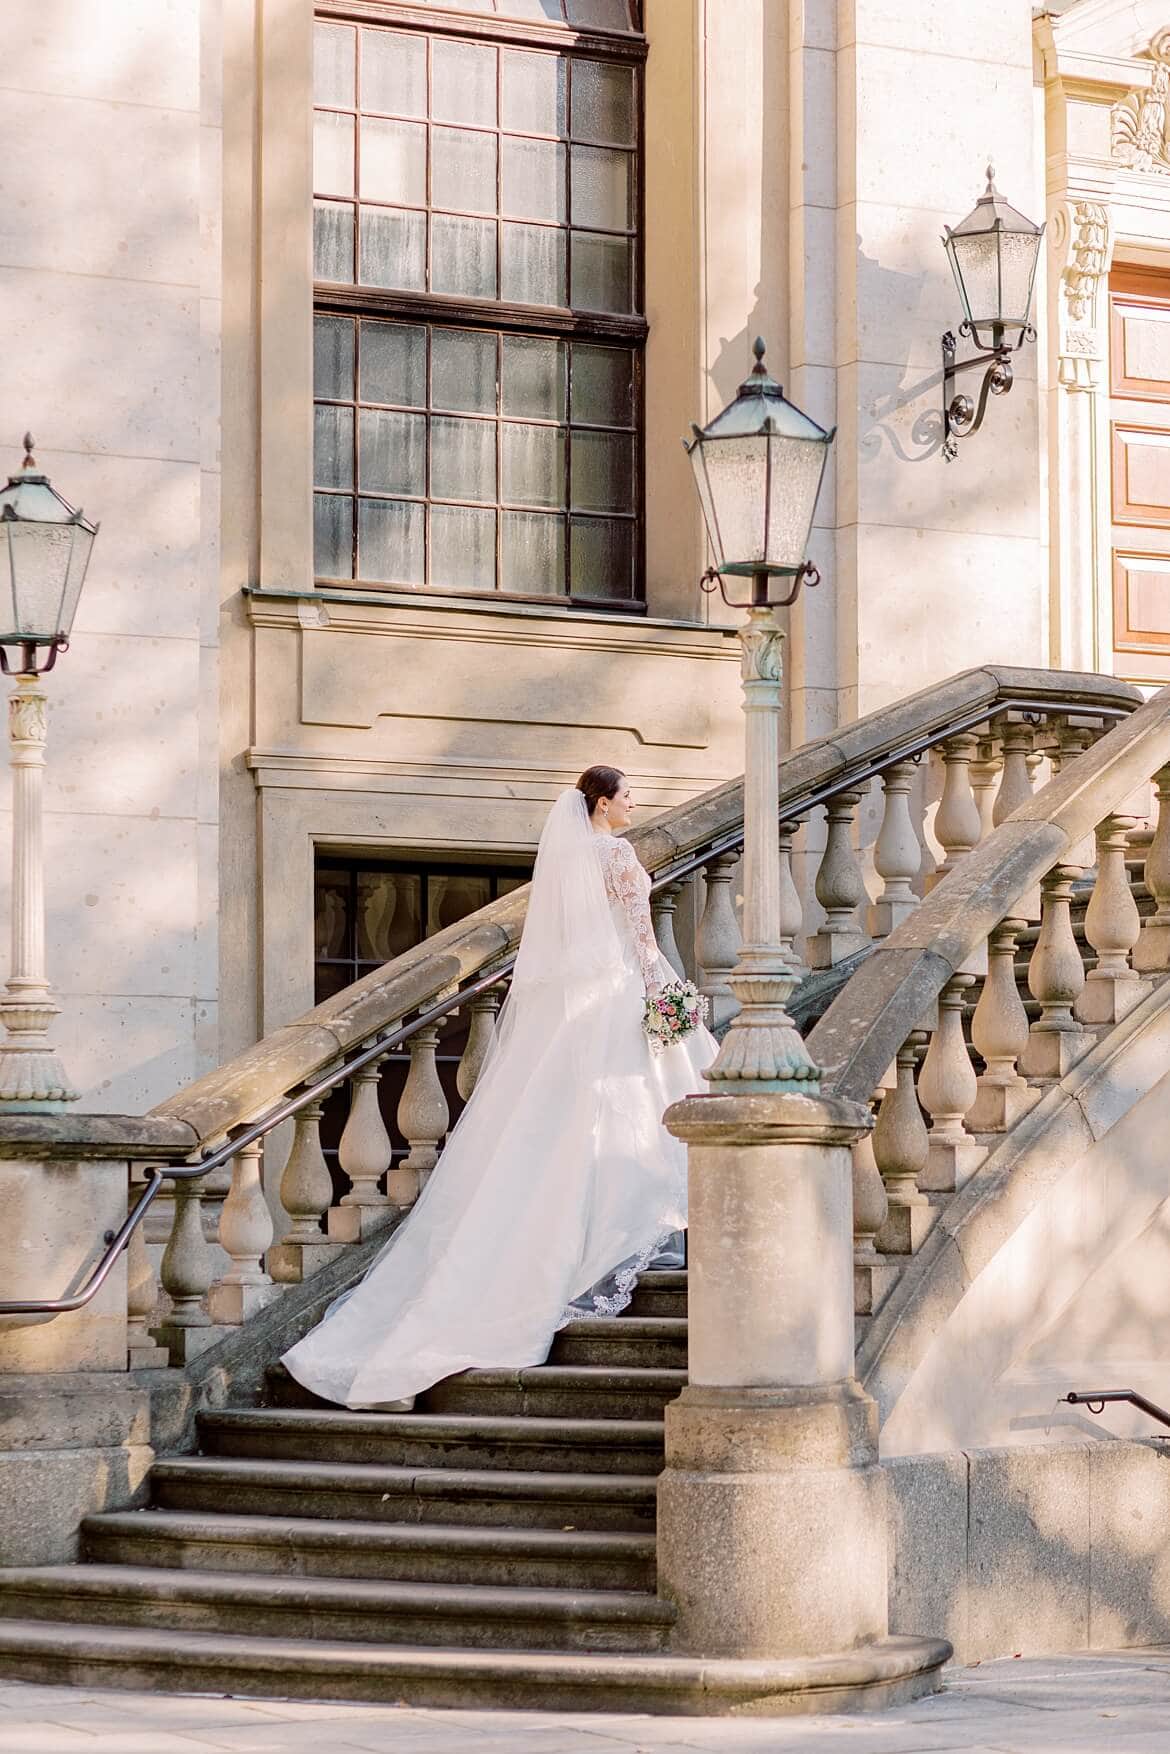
{"type": "Point", "coordinates": [599, 782]}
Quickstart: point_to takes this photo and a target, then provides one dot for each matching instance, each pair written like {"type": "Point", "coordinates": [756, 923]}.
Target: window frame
{"type": "Point", "coordinates": [504, 317]}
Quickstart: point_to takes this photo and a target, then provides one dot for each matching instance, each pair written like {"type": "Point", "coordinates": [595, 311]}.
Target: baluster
{"type": "Point", "coordinates": [839, 887]}
{"type": "Point", "coordinates": [1153, 947]}
{"type": "Point", "coordinates": [245, 1233]}
{"type": "Point", "coordinates": [897, 853]}
{"type": "Point", "coordinates": [481, 1030]}
{"type": "Point", "coordinates": [1056, 977]}
{"type": "Point", "coordinates": [306, 1193]}
{"type": "Point", "coordinates": [422, 1120]}
{"type": "Point", "coordinates": [958, 827]}
{"type": "Point", "coordinates": [791, 911]}
{"type": "Point", "coordinates": [364, 1155]}
{"type": "Point", "coordinates": [999, 1030]}
{"type": "Point", "coordinates": [1073, 737]}
{"type": "Point", "coordinates": [141, 1293]}
{"type": "Point", "coordinates": [717, 939]}
{"type": "Point", "coordinates": [985, 771]}
{"type": "Point", "coordinates": [1112, 927]}
{"type": "Point", "coordinates": [186, 1272]}
{"type": "Point", "coordinates": [662, 905]}
{"type": "Point", "coordinates": [947, 1089]}
{"type": "Point", "coordinates": [900, 1145]}
{"type": "Point", "coordinates": [1015, 788]}
{"type": "Point", "coordinates": [872, 1276]}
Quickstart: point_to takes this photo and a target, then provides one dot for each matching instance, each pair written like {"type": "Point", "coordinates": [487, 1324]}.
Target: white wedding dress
{"type": "Point", "coordinates": [559, 1183]}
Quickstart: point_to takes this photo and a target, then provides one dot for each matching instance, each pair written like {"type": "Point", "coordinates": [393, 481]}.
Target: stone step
{"type": "Point", "coordinates": [149, 1658]}
{"type": "Point", "coordinates": [421, 1552]}
{"type": "Point", "coordinates": [357, 1610]}
{"type": "Point", "coordinates": [660, 1292]}
{"type": "Point", "coordinates": [559, 1391]}
{"type": "Point", "coordinates": [407, 1495]}
{"type": "Point", "coordinates": [647, 1342]}
{"type": "Point", "coordinates": [614, 1446]}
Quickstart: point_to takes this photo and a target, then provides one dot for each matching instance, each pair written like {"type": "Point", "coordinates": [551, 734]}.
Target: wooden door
{"type": "Point", "coordinates": [1139, 435]}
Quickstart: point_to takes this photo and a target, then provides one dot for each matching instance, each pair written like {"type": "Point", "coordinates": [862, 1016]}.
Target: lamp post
{"type": "Point", "coordinates": [771, 1506]}
{"type": "Point", "coordinates": [45, 547]}
{"type": "Point", "coordinates": [758, 468]}
{"type": "Point", "coordinates": [993, 255]}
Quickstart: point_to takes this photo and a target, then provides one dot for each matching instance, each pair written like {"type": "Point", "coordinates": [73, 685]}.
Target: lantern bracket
{"type": "Point", "coordinates": [761, 598]}
{"type": "Point", "coordinates": [27, 664]}
{"type": "Point", "coordinates": [961, 415]}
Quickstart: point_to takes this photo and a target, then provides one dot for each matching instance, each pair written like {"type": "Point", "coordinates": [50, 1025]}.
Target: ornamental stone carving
{"type": "Point", "coordinates": [1088, 257]}
{"type": "Point", "coordinates": [1138, 122]}
{"type": "Point", "coordinates": [1081, 238]}
{"type": "Point", "coordinates": [762, 641]}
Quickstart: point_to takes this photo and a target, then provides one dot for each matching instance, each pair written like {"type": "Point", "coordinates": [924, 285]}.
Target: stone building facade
{"type": "Point", "coordinates": [547, 232]}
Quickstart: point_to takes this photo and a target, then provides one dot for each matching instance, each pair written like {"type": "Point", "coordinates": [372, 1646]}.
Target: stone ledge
{"type": "Point", "coordinates": [68, 1137]}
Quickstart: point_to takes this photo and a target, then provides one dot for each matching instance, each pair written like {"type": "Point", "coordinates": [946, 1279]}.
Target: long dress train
{"type": "Point", "coordinates": [558, 1184]}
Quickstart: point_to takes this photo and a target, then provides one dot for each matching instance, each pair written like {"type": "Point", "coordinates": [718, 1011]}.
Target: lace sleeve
{"type": "Point", "coordinates": [630, 888]}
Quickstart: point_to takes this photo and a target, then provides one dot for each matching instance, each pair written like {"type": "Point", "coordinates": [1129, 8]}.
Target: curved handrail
{"type": "Point", "coordinates": [330, 1043]}
{"type": "Point", "coordinates": [862, 1030]}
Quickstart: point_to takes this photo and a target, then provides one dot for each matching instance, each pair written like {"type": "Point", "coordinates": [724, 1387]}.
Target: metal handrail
{"type": "Point", "coordinates": [1094, 1400]}
{"type": "Point", "coordinates": [793, 806]}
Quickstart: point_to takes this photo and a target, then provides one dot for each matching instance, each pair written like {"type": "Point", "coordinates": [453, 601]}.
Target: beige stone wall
{"type": "Point", "coordinates": [109, 263]}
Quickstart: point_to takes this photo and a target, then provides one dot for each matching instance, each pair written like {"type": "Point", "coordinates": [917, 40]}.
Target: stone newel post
{"type": "Point", "coordinates": [771, 1508]}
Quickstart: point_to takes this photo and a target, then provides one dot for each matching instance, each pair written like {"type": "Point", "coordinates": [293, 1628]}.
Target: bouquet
{"type": "Point", "coordinates": [673, 1013]}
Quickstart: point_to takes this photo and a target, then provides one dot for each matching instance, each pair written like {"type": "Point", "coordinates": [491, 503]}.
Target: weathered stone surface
{"type": "Point", "coordinates": [1130, 1556]}
{"type": "Point", "coordinates": [44, 1493]}
{"type": "Point", "coordinates": [927, 1499]}
{"type": "Point", "coordinates": [1028, 1535]}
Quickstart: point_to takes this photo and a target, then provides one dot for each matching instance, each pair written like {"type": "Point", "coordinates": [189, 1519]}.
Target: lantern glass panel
{"type": "Point", "coordinates": [975, 259]}
{"type": "Point", "coordinates": [38, 567]}
{"type": "Point", "coordinates": [736, 474]}
{"type": "Point", "coordinates": [796, 469]}
{"type": "Point", "coordinates": [1019, 253]}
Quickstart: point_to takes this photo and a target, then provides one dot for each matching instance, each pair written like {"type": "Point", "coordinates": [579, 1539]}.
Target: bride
{"type": "Point", "coordinates": [559, 1183]}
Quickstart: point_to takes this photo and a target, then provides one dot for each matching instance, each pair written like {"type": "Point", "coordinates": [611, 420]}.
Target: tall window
{"type": "Point", "coordinates": [477, 367]}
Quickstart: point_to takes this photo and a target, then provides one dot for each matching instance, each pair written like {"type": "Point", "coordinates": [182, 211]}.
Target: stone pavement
{"type": "Point", "coordinates": [1099, 1704]}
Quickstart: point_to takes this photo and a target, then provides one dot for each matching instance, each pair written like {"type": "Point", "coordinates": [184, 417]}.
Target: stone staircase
{"type": "Point", "coordinates": [313, 1551]}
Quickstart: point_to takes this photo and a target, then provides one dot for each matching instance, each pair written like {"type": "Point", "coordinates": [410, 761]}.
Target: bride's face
{"type": "Point", "coordinates": [619, 810]}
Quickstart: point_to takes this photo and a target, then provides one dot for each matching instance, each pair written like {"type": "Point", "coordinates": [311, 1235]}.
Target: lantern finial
{"type": "Point", "coordinates": [759, 349]}
{"type": "Point", "coordinates": [991, 188]}
{"type": "Point", "coordinates": [30, 461]}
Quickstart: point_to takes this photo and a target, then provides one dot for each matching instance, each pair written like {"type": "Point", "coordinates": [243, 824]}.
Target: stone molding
{"type": "Point", "coordinates": [1083, 236]}
{"type": "Point", "coordinates": [1139, 137]}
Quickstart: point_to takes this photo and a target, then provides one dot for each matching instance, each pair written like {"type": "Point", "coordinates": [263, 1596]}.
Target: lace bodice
{"type": "Point", "coordinates": [628, 887]}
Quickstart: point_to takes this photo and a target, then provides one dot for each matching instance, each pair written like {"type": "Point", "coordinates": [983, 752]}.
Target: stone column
{"type": "Point", "coordinates": [771, 1509]}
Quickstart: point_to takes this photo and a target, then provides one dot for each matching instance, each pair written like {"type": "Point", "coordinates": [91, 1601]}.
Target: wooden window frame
{"type": "Point", "coordinates": [505, 317]}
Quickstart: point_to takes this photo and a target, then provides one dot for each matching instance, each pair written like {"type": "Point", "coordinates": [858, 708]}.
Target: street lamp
{"type": "Point", "coordinates": [993, 254]}
{"type": "Point", "coordinates": [45, 547]}
{"type": "Point", "coordinates": [758, 467]}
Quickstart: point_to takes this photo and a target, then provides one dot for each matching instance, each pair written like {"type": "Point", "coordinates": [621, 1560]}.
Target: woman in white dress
{"type": "Point", "coordinates": [559, 1183]}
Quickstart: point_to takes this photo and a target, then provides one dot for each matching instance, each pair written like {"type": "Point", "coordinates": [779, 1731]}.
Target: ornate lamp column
{"type": "Point", "coordinates": [45, 546]}
{"type": "Point", "coordinates": [771, 1510]}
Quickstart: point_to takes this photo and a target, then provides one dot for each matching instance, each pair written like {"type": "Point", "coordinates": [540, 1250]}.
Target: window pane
{"type": "Point", "coordinates": [603, 472]}
{"type": "Point", "coordinates": [394, 73]}
{"type": "Point", "coordinates": [601, 273]}
{"type": "Point", "coordinates": [392, 452]}
{"type": "Point", "coordinates": [332, 536]}
{"type": "Point", "coordinates": [332, 154]}
{"type": "Point", "coordinates": [463, 548]}
{"type": "Point", "coordinates": [394, 161]}
{"type": "Point", "coordinates": [532, 269]}
{"type": "Point", "coordinates": [463, 459]}
{"type": "Point", "coordinates": [452, 898]}
{"type": "Point", "coordinates": [463, 170]}
{"type": "Point", "coordinates": [333, 64]}
{"type": "Point", "coordinates": [532, 554]}
{"type": "Point", "coordinates": [601, 15]}
{"type": "Point", "coordinates": [331, 923]}
{"type": "Point", "coordinates": [602, 194]}
{"type": "Point", "coordinates": [389, 911]}
{"type": "Point", "coordinates": [333, 447]}
{"type": "Point", "coordinates": [532, 92]}
{"type": "Point", "coordinates": [533, 465]}
{"type": "Point", "coordinates": [463, 82]}
{"type": "Point", "coordinates": [333, 357]}
{"type": "Point", "coordinates": [393, 248]}
{"type": "Point", "coordinates": [394, 364]}
{"type": "Point", "coordinates": [534, 377]}
{"type": "Point", "coordinates": [603, 386]}
{"type": "Point", "coordinates": [332, 241]}
{"type": "Point", "coordinates": [601, 558]}
{"type": "Point", "coordinates": [463, 256]}
{"type": "Point", "coordinates": [603, 103]}
{"type": "Point", "coordinates": [532, 179]}
{"type": "Point", "coordinates": [463, 370]}
{"type": "Point", "coordinates": [390, 541]}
